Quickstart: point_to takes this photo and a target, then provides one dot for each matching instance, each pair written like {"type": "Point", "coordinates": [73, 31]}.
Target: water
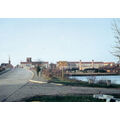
{"type": "Point", "coordinates": [114, 79]}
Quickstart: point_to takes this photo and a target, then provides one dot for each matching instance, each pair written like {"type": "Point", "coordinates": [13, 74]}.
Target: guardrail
{"type": "Point", "coordinates": [4, 71]}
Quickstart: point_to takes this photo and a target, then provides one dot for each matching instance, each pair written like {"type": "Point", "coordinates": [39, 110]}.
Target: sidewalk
{"type": "Point", "coordinates": [4, 71]}
{"type": "Point", "coordinates": [38, 78]}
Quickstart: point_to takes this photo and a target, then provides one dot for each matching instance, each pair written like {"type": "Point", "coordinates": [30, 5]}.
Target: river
{"type": "Point", "coordinates": [115, 79]}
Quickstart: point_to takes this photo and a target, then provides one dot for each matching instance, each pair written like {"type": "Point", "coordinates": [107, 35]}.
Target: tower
{"type": "Point", "coordinates": [9, 61]}
{"type": "Point", "coordinates": [80, 65]}
{"type": "Point", "coordinates": [92, 63]}
{"type": "Point", "coordinates": [29, 59]}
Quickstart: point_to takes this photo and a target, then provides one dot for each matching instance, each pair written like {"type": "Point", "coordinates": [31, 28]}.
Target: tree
{"type": "Point", "coordinates": [116, 29]}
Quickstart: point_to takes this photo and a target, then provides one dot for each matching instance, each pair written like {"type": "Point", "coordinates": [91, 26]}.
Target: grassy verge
{"type": "Point", "coordinates": [68, 98]}
{"type": "Point", "coordinates": [71, 82]}
{"type": "Point", "coordinates": [116, 95]}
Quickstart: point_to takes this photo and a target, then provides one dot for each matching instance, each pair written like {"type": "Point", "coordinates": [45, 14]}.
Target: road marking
{"type": "Point", "coordinates": [40, 82]}
{"type": "Point", "coordinates": [33, 81]}
{"type": "Point", "coordinates": [33, 74]}
{"type": "Point", "coordinates": [56, 84]}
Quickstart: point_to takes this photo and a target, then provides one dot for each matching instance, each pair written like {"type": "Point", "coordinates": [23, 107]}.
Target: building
{"type": "Point", "coordinates": [7, 65]}
{"type": "Point", "coordinates": [92, 64]}
{"type": "Point", "coordinates": [52, 66]}
{"type": "Point", "coordinates": [109, 64]}
{"type": "Point", "coordinates": [112, 68]}
{"type": "Point", "coordinates": [62, 65]}
{"type": "Point", "coordinates": [83, 65]}
{"type": "Point", "coordinates": [31, 64]}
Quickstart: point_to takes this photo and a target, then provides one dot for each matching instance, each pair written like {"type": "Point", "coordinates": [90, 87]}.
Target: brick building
{"type": "Point", "coordinates": [6, 65]}
{"type": "Point", "coordinates": [31, 64]}
{"type": "Point", "coordinates": [83, 65]}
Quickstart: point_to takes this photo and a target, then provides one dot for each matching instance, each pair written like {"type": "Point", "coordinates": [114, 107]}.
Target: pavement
{"type": "Point", "coordinates": [4, 71]}
{"type": "Point", "coordinates": [12, 81]}
{"type": "Point", "coordinates": [20, 83]}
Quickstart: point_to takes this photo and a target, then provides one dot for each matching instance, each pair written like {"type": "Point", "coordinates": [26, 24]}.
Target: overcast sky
{"type": "Point", "coordinates": [56, 39]}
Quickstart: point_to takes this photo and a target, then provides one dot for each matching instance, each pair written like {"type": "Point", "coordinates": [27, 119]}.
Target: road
{"type": "Point", "coordinates": [12, 81]}
{"type": "Point", "coordinates": [15, 85]}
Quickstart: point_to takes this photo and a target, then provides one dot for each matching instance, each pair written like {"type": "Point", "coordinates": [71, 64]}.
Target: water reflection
{"type": "Point", "coordinates": [114, 79]}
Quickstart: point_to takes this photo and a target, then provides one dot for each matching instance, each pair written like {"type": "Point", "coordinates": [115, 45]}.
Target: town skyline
{"type": "Point", "coordinates": [54, 40]}
{"type": "Point", "coordinates": [39, 60]}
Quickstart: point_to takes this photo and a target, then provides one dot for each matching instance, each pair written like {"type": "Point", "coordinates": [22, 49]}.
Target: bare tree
{"type": "Point", "coordinates": [116, 29]}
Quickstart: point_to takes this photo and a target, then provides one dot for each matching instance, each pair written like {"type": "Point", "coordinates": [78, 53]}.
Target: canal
{"type": "Point", "coordinates": [115, 79]}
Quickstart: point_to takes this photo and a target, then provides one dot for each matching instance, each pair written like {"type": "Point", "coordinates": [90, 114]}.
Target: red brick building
{"type": "Point", "coordinates": [32, 64]}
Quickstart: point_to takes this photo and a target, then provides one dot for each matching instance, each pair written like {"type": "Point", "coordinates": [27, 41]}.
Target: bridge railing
{"type": "Point", "coordinates": [5, 71]}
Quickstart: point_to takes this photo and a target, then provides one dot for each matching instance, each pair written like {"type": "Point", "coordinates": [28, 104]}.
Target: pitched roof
{"type": "Point", "coordinates": [86, 62]}
{"type": "Point", "coordinates": [34, 63]}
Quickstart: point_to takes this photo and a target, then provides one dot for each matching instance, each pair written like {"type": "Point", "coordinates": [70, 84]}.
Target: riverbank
{"type": "Point", "coordinates": [91, 74]}
{"type": "Point", "coordinates": [113, 79]}
{"type": "Point", "coordinates": [63, 98]}
{"type": "Point", "coordinates": [74, 82]}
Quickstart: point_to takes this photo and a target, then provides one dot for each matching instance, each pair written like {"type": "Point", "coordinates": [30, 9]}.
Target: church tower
{"type": "Point", "coordinates": [9, 61]}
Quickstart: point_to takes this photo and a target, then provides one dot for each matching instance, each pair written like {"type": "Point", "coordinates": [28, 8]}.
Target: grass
{"type": "Point", "coordinates": [68, 98]}
{"type": "Point", "coordinates": [72, 82]}
{"type": "Point", "coordinates": [116, 95]}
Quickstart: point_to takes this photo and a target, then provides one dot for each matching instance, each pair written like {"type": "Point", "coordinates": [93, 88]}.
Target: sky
{"type": "Point", "coordinates": [53, 39]}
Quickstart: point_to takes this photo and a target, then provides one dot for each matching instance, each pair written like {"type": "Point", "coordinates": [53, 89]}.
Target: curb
{"type": "Point", "coordinates": [56, 84]}
{"type": "Point", "coordinates": [33, 81]}
{"type": "Point", "coordinates": [33, 74]}
{"type": "Point", "coordinates": [40, 82]}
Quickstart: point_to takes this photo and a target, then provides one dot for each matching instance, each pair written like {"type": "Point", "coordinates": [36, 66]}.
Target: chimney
{"type": "Point", "coordinates": [29, 59]}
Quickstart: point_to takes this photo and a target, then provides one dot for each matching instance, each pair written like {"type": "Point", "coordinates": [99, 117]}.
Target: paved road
{"type": "Point", "coordinates": [12, 81]}
{"type": "Point", "coordinates": [14, 86]}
